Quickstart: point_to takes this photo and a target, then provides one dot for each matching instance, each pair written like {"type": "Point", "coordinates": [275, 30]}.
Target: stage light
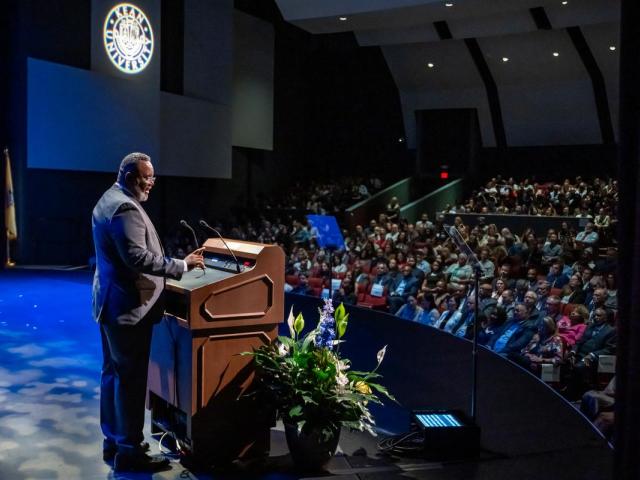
{"type": "Point", "coordinates": [565, 2]}
{"type": "Point", "coordinates": [612, 47]}
{"type": "Point", "coordinates": [430, 65]}
{"type": "Point", "coordinates": [448, 4]}
{"type": "Point", "coordinates": [444, 175]}
{"type": "Point", "coordinates": [128, 38]}
{"type": "Point", "coordinates": [556, 54]}
{"type": "Point", "coordinates": [505, 59]}
{"type": "Point", "coordinates": [343, 19]}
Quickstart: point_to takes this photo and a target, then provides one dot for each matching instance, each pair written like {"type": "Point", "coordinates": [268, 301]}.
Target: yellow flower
{"type": "Point", "coordinates": [362, 387]}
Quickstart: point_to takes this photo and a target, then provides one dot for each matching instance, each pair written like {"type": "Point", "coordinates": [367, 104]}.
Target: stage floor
{"type": "Point", "coordinates": [49, 425]}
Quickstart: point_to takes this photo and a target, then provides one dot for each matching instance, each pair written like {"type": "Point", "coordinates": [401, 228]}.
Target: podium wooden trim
{"type": "Point", "coordinates": [198, 382]}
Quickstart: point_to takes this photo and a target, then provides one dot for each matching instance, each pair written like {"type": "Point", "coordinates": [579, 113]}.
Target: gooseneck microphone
{"type": "Point", "coordinates": [193, 232]}
{"type": "Point", "coordinates": [209, 227]}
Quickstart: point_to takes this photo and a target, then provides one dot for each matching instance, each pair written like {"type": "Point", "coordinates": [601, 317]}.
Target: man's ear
{"type": "Point", "coordinates": [128, 177]}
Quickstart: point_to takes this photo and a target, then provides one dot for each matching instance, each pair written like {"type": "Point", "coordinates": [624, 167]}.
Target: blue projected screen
{"type": "Point", "coordinates": [437, 420]}
{"type": "Point", "coordinates": [327, 231]}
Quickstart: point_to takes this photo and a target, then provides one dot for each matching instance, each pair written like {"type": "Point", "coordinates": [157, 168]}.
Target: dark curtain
{"type": "Point", "coordinates": [627, 438]}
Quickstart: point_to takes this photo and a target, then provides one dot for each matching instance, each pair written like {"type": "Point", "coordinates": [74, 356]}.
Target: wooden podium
{"type": "Point", "coordinates": [197, 382]}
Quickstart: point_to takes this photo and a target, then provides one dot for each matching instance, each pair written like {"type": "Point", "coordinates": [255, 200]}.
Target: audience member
{"type": "Point", "coordinates": [404, 286]}
{"type": "Point", "coordinates": [410, 310]}
{"type": "Point", "coordinates": [572, 327]}
{"type": "Point", "coordinates": [545, 347]}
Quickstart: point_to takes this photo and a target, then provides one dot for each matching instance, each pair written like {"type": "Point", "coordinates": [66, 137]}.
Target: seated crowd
{"type": "Point", "coordinates": [545, 298]}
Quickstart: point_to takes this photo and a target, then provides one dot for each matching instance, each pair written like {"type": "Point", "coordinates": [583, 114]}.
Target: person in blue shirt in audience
{"type": "Point", "coordinates": [515, 333]}
{"type": "Point", "coordinates": [405, 285]}
{"type": "Point", "coordinates": [491, 325]}
{"type": "Point", "coordinates": [464, 327]}
{"type": "Point", "coordinates": [430, 313]}
{"type": "Point", "coordinates": [588, 237]}
{"type": "Point", "coordinates": [552, 250]}
{"type": "Point", "coordinates": [556, 277]}
{"type": "Point", "coordinates": [450, 317]}
{"type": "Point", "coordinates": [410, 310]}
{"type": "Point", "coordinates": [302, 288]}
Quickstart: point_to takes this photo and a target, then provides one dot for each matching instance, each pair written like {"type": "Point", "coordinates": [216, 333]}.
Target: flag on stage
{"type": "Point", "coordinates": [9, 204]}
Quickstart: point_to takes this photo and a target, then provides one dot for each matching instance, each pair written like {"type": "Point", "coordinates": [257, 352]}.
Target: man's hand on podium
{"type": "Point", "coordinates": [195, 259]}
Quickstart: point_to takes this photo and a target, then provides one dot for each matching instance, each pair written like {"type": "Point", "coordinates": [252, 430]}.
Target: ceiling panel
{"type": "Point", "coordinates": [600, 38]}
{"type": "Point", "coordinates": [398, 36]}
{"type": "Point", "coordinates": [531, 58]}
{"type": "Point", "coordinates": [545, 100]}
{"type": "Point", "coordinates": [505, 23]}
{"type": "Point", "coordinates": [321, 16]}
{"type": "Point", "coordinates": [453, 82]}
{"type": "Point", "coordinates": [453, 66]}
{"type": "Point", "coordinates": [554, 113]}
{"type": "Point", "coordinates": [583, 12]}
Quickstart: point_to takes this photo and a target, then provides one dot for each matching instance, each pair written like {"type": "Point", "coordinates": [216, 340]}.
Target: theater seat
{"type": "Point", "coordinates": [291, 280]}
{"type": "Point", "coordinates": [556, 291]}
{"type": "Point", "coordinates": [370, 301]}
{"type": "Point", "coordinates": [361, 291]}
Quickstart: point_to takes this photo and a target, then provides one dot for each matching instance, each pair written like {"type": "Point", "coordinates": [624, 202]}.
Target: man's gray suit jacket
{"type": "Point", "coordinates": [130, 262]}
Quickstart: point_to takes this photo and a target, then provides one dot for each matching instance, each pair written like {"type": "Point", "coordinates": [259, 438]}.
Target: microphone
{"type": "Point", "coordinates": [186, 225]}
{"type": "Point", "coordinates": [209, 227]}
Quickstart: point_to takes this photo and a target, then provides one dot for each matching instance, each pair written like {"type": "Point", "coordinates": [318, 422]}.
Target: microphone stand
{"type": "Point", "coordinates": [457, 239]}
{"type": "Point", "coordinates": [193, 232]}
{"type": "Point", "coordinates": [206, 225]}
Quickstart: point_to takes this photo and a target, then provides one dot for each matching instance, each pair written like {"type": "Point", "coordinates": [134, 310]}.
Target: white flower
{"type": "Point", "coordinates": [290, 321]}
{"type": "Point", "coordinates": [342, 381]}
{"type": "Point", "coordinates": [283, 350]}
{"type": "Point", "coordinates": [381, 354]}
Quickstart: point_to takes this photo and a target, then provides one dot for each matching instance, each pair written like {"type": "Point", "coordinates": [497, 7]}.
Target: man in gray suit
{"type": "Point", "coordinates": [127, 300]}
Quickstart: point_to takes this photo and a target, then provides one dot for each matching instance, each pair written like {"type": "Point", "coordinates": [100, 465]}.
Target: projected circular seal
{"type": "Point", "coordinates": [128, 38]}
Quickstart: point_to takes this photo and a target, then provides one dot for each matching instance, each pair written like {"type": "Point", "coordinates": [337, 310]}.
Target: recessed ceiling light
{"type": "Point", "coordinates": [612, 47]}
{"type": "Point", "coordinates": [565, 2]}
{"type": "Point", "coordinates": [505, 59]}
{"type": "Point", "coordinates": [430, 65]}
{"type": "Point", "coordinates": [448, 4]}
{"type": "Point", "coordinates": [556, 54]}
{"type": "Point", "coordinates": [343, 19]}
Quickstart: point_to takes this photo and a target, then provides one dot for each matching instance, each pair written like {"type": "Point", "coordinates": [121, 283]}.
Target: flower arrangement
{"type": "Point", "coordinates": [310, 385]}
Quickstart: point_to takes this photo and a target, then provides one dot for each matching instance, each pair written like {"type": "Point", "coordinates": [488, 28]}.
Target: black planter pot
{"type": "Point", "coordinates": [310, 452]}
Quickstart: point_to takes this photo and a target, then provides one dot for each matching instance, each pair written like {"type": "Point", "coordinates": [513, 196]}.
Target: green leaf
{"type": "Point", "coordinates": [339, 313]}
{"type": "Point", "coordinates": [289, 342]}
{"type": "Point", "coordinates": [382, 390]}
{"type": "Point", "coordinates": [309, 338]}
{"type": "Point", "coordinates": [298, 324]}
{"type": "Point", "coordinates": [342, 325]}
{"type": "Point", "coordinates": [363, 374]}
{"type": "Point", "coordinates": [295, 411]}
{"type": "Point", "coordinates": [308, 399]}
